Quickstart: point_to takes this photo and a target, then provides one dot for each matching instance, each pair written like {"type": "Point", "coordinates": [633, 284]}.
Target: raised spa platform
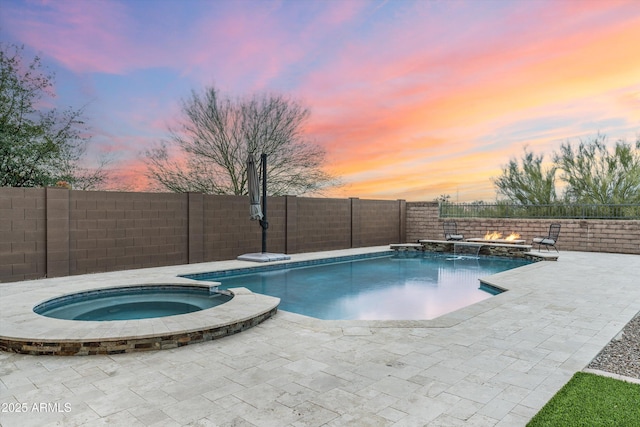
{"type": "Point", "coordinates": [24, 331]}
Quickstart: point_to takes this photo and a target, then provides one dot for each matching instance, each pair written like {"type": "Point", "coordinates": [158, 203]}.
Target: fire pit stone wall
{"type": "Point", "coordinates": [477, 248]}
{"type": "Point", "coordinates": [591, 235]}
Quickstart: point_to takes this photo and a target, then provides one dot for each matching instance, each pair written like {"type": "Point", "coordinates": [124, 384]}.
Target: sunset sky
{"type": "Point", "coordinates": [410, 99]}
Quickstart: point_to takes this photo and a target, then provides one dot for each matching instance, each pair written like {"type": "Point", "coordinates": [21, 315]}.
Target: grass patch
{"type": "Point", "coordinates": [592, 400]}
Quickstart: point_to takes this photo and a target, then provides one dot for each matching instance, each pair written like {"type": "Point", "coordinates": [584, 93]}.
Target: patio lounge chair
{"type": "Point", "coordinates": [550, 240]}
{"type": "Point", "coordinates": [451, 231]}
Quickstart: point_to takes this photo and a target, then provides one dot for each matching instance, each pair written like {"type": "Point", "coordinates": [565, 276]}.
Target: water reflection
{"type": "Point", "coordinates": [398, 287]}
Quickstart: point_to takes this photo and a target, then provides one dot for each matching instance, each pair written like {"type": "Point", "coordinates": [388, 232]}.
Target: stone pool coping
{"type": "Point", "coordinates": [24, 331]}
{"type": "Point", "coordinates": [497, 368]}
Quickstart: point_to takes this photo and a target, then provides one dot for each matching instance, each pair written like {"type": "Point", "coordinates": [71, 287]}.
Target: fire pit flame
{"type": "Point", "coordinates": [492, 236]}
{"type": "Point", "coordinates": [498, 236]}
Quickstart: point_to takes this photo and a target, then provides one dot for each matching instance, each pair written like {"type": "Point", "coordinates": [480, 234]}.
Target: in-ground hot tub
{"type": "Point", "coordinates": [22, 330]}
{"type": "Point", "coordinates": [133, 302]}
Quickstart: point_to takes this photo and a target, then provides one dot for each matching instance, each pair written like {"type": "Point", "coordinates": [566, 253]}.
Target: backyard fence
{"type": "Point", "coordinates": [425, 221]}
{"type": "Point", "coordinates": [53, 232]}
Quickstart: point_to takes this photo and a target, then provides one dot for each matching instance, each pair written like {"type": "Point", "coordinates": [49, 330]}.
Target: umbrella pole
{"type": "Point", "coordinates": [263, 222]}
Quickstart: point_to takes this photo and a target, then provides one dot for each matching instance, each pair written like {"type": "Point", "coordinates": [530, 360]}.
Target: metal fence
{"type": "Point", "coordinates": [569, 211]}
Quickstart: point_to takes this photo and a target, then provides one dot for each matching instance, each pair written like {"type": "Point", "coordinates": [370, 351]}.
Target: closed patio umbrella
{"type": "Point", "coordinates": [253, 181]}
{"type": "Point", "coordinates": [258, 211]}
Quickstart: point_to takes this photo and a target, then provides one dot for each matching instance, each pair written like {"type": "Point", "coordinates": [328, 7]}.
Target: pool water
{"type": "Point", "coordinates": [406, 286]}
{"type": "Point", "coordinates": [128, 303]}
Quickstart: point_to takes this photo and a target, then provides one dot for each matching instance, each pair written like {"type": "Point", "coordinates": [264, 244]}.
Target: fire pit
{"type": "Point", "coordinates": [496, 237]}
{"type": "Point", "coordinates": [492, 244]}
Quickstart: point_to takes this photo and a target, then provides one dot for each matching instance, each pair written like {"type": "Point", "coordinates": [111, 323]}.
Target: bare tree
{"type": "Point", "coordinates": [207, 153]}
{"type": "Point", "coordinates": [99, 177]}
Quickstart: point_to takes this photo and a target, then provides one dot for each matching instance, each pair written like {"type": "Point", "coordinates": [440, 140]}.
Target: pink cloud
{"type": "Point", "coordinates": [84, 36]}
{"type": "Point", "coordinates": [394, 97]}
{"type": "Point", "coordinates": [393, 87]}
{"type": "Point", "coordinates": [417, 89]}
{"type": "Point", "coordinates": [257, 45]}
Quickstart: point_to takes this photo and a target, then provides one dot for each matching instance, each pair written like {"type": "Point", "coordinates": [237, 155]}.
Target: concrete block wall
{"type": "Point", "coordinates": [380, 222]}
{"type": "Point", "coordinates": [423, 221]}
{"type": "Point", "coordinates": [58, 228]}
{"type": "Point", "coordinates": [322, 224]}
{"type": "Point", "coordinates": [277, 232]}
{"type": "Point", "coordinates": [111, 231]}
{"type": "Point", "coordinates": [196, 227]}
{"type": "Point", "coordinates": [592, 235]}
{"type": "Point", "coordinates": [228, 231]}
{"type": "Point", "coordinates": [56, 232]}
{"type": "Point", "coordinates": [23, 233]}
{"type": "Point", "coordinates": [327, 224]}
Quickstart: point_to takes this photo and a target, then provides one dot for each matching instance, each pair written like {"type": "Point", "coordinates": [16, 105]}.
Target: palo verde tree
{"type": "Point", "coordinates": [596, 174]}
{"type": "Point", "coordinates": [592, 173]}
{"type": "Point", "coordinates": [38, 147]}
{"type": "Point", "coordinates": [207, 152]}
{"type": "Point", "coordinates": [527, 183]}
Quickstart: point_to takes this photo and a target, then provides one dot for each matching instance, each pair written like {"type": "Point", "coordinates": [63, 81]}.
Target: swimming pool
{"type": "Point", "coordinates": [384, 286]}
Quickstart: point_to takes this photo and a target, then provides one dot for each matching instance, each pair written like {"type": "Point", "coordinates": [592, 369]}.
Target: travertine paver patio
{"type": "Point", "coordinates": [495, 363]}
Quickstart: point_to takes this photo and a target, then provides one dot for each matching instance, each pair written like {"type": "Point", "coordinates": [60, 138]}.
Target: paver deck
{"type": "Point", "coordinates": [494, 363]}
